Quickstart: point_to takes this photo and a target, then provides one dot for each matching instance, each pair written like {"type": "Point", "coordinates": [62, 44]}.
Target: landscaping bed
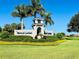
{"type": "Point", "coordinates": [33, 43]}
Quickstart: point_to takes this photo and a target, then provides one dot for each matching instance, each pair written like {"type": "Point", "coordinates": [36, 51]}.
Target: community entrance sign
{"type": "Point", "coordinates": [38, 29]}
{"type": "Point", "coordinates": [23, 32]}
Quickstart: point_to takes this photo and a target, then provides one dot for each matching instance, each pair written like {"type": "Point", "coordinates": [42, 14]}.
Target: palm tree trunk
{"type": "Point", "coordinates": [35, 14]}
{"type": "Point", "coordinates": [22, 22]}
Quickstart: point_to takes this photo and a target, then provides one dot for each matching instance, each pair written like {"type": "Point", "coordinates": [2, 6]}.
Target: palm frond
{"type": "Point", "coordinates": [33, 3]}
{"type": "Point", "coordinates": [15, 14]}
{"type": "Point", "coordinates": [42, 13]}
{"type": "Point", "coordinates": [37, 1]}
{"type": "Point", "coordinates": [48, 19]}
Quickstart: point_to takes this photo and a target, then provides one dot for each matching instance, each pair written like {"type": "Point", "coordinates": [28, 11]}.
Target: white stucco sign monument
{"type": "Point", "coordinates": [38, 28]}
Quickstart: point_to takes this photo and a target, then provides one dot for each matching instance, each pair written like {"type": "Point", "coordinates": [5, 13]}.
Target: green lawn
{"type": "Point", "coordinates": [66, 50]}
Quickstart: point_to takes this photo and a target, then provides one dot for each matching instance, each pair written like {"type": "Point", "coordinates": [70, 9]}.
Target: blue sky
{"type": "Point", "coordinates": [61, 10]}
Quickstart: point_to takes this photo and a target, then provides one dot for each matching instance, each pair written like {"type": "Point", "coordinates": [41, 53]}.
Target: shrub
{"type": "Point", "coordinates": [52, 38]}
{"type": "Point", "coordinates": [7, 37]}
{"type": "Point", "coordinates": [63, 33]}
{"type": "Point", "coordinates": [59, 35]}
{"type": "Point", "coordinates": [19, 38]}
{"type": "Point", "coordinates": [4, 35]}
{"type": "Point", "coordinates": [46, 39]}
{"type": "Point", "coordinates": [29, 39]}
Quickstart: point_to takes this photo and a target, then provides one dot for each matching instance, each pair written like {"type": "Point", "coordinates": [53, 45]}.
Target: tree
{"type": "Point", "coordinates": [37, 8]}
{"type": "Point", "coordinates": [11, 27]}
{"type": "Point", "coordinates": [19, 26]}
{"type": "Point", "coordinates": [48, 19]}
{"type": "Point", "coordinates": [7, 28]}
{"type": "Point", "coordinates": [73, 26]}
{"type": "Point", "coordinates": [21, 11]}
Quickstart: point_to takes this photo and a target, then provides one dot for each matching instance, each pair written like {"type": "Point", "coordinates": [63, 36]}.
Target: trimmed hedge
{"type": "Point", "coordinates": [33, 43]}
{"type": "Point", "coordinates": [28, 39]}
{"type": "Point", "coordinates": [5, 36]}
{"type": "Point", "coordinates": [17, 38]}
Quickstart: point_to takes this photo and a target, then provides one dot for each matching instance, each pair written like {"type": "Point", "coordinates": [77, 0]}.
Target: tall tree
{"type": "Point", "coordinates": [37, 8]}
{"type": "Point", "coordinates": [73, 26]}
{"type": "Point", "coordinates": [21, 11]}
{"type": "Point", "coordinates": [48, 19]}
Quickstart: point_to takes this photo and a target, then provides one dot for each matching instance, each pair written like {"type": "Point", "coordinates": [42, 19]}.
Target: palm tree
{"type": "Point", "coordinates": [0, 29]}
{"type": "Point", "coordinates": [38, 8]}
{"type": "Point", "coordinates": [48, 19]}
{"type": "Point", "coordinates": [21, 11]}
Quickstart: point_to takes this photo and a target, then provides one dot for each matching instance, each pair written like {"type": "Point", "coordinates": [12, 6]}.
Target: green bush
{"type": "Point", "coordinates": [59, 35]}
{"type": "Point", "coordinates": [4, 35]}
{"type": "Point", "coordinates": [46, 39]}
{"type": "Point", "coordinates": [19, 38]}
{"type": "Point", "coordinates": [8, 37]}
{"type": "Point", "coordinates": [29, 39]}
{"type": "Point", "coordinates": [52, 38]}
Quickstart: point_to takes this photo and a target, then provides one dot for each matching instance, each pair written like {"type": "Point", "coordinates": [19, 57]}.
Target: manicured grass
{"type": "Point", "coordinates": [72, 38]}
{"type": "Point", "coordinates": [66, 50]}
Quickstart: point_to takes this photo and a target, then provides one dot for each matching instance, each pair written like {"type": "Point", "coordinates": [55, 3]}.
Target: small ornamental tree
{"type": "Point", "coordinates": [7, 28]}
{"type": "Point", "coordinates": [11, 27]}
{"type": "Point", "coordinates": [21, 11]}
